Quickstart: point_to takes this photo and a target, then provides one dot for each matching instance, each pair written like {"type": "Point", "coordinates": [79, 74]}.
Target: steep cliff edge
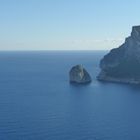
{"type": "Point", "coordinates": [123, 64]}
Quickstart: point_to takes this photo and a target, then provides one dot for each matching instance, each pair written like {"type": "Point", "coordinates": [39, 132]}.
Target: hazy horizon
{"type": "Point", "coordinates": [33, 50]}
{"type": "Point", "coordinates": [66, 25]}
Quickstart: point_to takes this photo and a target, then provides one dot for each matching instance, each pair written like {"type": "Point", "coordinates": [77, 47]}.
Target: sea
{"type": "Point", "coordinates": [37, 102]}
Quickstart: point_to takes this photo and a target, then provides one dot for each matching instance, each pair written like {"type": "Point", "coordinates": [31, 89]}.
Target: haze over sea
{"type": "Point", "coordinates": [38, 103]}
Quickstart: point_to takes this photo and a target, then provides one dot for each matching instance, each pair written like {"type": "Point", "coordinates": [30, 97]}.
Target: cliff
{"type": "Point", "coordinates": [123, 64]}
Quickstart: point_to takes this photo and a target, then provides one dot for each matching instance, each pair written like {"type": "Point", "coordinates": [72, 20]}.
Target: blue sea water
{"type": "Point", "coordinates": [38, 103]}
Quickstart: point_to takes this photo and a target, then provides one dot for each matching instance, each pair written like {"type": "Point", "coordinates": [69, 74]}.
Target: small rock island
{"type": "Point", "coordinates": [79, 75]}
{"type": "Point", "coordinates": [123, 64]}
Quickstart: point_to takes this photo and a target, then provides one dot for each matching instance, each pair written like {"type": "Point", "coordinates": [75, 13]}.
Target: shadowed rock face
{"type": "Point", "coordinates": [79, 75]}
{"type": "Point", "coordinates": [123, 64]}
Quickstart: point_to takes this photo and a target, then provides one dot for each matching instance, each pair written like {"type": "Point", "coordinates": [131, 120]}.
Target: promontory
{"type": "Point", "coordinates": [123, 64]}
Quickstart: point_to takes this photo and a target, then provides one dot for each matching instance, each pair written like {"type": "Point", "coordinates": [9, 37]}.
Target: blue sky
{"type": "Point", "coordinates": [66, 24]}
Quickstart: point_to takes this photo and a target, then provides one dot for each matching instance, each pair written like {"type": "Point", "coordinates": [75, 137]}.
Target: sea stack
{"type": "Point", "coordinates": [79, 75]}
{"type": "Point", "coordinates": [123, 64]}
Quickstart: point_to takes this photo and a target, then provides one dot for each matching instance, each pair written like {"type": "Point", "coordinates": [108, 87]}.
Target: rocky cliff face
{"type": "Point", "coordinates": [123, 64]}
{"type": "Point", "coordinates": [79, 75]}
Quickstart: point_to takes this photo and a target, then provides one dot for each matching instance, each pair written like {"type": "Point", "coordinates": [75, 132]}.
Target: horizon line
{"type": "Point", "coordinates": [53, 50]}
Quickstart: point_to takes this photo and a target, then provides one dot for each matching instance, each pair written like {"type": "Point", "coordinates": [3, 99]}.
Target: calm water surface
{"type": "Point", "coordinates": [38, 103]}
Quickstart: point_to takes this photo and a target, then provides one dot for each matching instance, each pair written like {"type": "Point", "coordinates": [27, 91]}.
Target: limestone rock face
{"type": "Point", "coordinates": [123, 64]}
{"type": "Point", "coordinates": [79, 75]}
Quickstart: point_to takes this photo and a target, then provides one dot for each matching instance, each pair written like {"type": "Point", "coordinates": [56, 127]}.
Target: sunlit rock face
{"type": "Point", "coordinates": [79, 75]}
{"type": "Point", "coordinates": [123, 64]}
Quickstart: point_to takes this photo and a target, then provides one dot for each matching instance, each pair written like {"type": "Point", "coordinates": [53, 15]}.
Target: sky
{"type": "Point", "coordinates": [66, 24]}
